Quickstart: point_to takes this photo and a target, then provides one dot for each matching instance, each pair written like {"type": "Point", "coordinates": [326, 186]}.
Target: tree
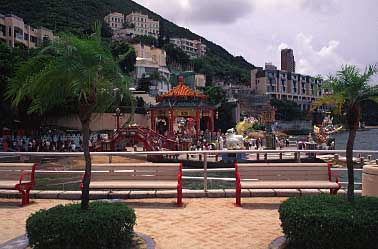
{"type": "Point", "coordinates": [71, 71]}
{"type": "Point", "coordinates": [350, 90]}
{"type": "Point", "coordinates": [10, 60]}
{"type": "Point", "coordinates": [176, 55]}
{"type": "Point", "coordinates": [125, 55]}
{"type": "Point", "coordinates": [216, 95]}
{"type": "Point", "coordinates": [287, 110]}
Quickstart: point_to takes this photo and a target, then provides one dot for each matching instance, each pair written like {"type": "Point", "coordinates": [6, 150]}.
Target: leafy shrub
{"type": "Point", "coordinates": [103, 225]}
{"type": "Point", "coordinates": [330, 222]}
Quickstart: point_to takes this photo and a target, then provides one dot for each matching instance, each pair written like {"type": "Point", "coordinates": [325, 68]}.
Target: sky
{"type": "Point", "coordinates": [324, 34]}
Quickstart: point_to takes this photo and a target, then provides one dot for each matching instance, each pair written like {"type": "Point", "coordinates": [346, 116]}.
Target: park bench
{"type": "Point", "coordinates": [137, 176]}
{"type": "Point", "coordinates": [18, 176]}
{"type": "Point", "coordinates": [284, 176]}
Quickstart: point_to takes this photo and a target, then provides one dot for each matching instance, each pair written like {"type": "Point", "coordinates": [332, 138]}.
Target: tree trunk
{"type": "Point", "coordinates": [353, 120]}
{"type": "Point", "coordinates": [88, 164]}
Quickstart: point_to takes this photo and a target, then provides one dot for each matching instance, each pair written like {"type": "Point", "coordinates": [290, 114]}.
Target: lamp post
{"type": "Point", "coordinates": [118, 113]}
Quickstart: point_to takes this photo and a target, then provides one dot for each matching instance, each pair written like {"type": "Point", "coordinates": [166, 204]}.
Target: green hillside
{"type": "Point", "coordinates": [79, 15]}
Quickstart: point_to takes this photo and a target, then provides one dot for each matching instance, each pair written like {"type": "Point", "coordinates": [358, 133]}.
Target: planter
{"type": "Point", "coordinates": [370, 180]}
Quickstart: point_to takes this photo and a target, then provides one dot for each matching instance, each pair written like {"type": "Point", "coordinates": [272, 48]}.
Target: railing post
{"type": "Point", "coordinates": [110, 158]}
{"type": "Point", "coordinates": [205, 172]}
{"type": "Point", "coordinates": [280, 155]}
{"type": "Point", "coordinates": [258, 156]}
{"type": "Point", "coordinates": [298, 156]}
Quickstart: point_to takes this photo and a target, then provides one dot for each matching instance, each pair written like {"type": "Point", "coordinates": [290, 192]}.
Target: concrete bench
{"type": "Point", "coordinates": [284, 176]}
{"type": "Point", "coordinates": [137, 176]}
{"type": "Point", "coordinates": [18, 176]}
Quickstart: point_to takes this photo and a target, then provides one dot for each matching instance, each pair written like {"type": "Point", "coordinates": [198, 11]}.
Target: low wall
{"type": "Point", "coordinates": [294, 125]}
{"type": "Point", "coordinates": [99, 121]}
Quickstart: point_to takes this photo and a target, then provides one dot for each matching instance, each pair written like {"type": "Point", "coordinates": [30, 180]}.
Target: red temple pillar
{"type": "Point", "coordinates": [211, 120]}
{"type": "Point", "coordinates": [197, 122]}
{"type": "Point", "coordinates": [171, 122]}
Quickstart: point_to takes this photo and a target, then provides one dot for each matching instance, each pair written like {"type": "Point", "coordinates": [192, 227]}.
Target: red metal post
{"type": "Point", "coordinates": [179, 187]}
{"type": "Point", "coordinates": [237, 186]}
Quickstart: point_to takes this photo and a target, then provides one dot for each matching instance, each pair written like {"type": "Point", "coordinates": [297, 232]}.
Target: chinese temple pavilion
{"type": "Point", "coordinates": [182, 109]}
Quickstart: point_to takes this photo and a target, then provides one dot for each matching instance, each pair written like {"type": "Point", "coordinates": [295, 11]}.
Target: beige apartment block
{"type": "Point", "coordinates": [13, 31]}
{"type": "Point", "coordinates": [115, 20]}
{"type": "Point", "coordinates": [149, 60]}
{"type": "Point", "coordinates": [283, 85]}
{"type": "Point", "coordinates": [193, 48]}
{"type": "Point", "coordinates": [143, 25]}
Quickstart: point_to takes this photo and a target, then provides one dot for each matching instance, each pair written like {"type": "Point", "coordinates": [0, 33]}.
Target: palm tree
{"type": "Point", "coordinates": [78, 72]}
{"type": "Point", "coordinates": [350, 88]}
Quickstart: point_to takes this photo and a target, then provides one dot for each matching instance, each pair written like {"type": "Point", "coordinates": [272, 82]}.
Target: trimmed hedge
{"type": "Point", "coordinates": [330, 222]}
{"type": "Point", "coordinates": [104, 225]}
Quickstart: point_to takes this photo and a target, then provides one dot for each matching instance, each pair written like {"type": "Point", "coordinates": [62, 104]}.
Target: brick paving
{"type": "Point", "coordinates": [201, 223]}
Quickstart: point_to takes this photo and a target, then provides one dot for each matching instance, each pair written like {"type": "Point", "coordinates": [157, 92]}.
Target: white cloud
{"type": "Point", "coordinates": [317, 61]}
{"type": "Point", "coordinates": [201, 11]}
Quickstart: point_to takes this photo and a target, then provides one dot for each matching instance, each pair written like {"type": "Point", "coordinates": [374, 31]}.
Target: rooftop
{"type": "Point", "coordinates": [181, 90]}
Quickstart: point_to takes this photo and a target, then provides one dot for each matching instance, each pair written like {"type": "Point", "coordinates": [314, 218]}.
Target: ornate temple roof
{"type": "Point", "coordinates": [181, 90]}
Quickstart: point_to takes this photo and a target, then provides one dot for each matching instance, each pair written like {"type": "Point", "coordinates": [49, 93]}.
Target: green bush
{"type": "Point", "coordinates": [330, 222]}
{"type": "Point", "coordinates": [103, 225]}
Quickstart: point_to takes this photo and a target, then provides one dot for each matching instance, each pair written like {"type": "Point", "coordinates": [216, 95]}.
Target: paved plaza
{"type": "Point", "coordinates": [201, 223]}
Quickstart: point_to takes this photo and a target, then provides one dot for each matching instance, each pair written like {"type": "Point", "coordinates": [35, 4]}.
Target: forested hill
{"type": "Point", "coordinates": [79, 15]}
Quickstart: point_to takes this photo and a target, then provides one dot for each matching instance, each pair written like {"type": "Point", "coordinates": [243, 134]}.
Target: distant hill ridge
{"type": "Point", "coordinates": [79, 15]}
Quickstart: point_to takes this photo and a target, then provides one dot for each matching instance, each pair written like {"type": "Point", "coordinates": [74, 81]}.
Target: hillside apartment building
{"type": "Point", "coordinates": [135, 23]}
{"type": "Point", "coordinates": [193, 48]}
{"type": "Point", "coordinates": [13, 31]}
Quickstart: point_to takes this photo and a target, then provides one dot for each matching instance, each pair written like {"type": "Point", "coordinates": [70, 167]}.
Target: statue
{"type": "Point", "coordinates": [234, 141]}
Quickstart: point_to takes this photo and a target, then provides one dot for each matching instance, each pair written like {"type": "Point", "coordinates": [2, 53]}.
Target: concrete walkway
{"type": "Point", "coordinates": [201, 223]}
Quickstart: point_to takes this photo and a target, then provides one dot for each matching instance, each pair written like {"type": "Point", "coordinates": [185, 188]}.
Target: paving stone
{"type": "Point", "coordinates": [216, 193]}
{"type": "Point", "coordinates": [287, 192]}
{"type": "Point", "coordinates": [262, 192]}
{"type": "Point", "coordinates": [204, 223]}
{"type": "Point", "coordinates": [309, 192]}
{"type": "Point", "coordinates": [142, 194]}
